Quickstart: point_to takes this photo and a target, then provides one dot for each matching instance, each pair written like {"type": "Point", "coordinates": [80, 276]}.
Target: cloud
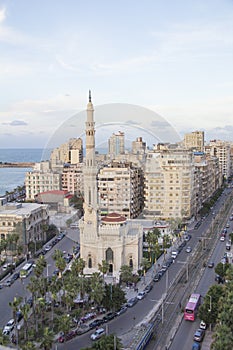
{"type": "Point", "coordinates": [15, 123]}
{"type": "Point", "coordinates": [2, 15]}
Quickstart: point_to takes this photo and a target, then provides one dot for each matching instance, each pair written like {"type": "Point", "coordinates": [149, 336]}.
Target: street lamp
{"type": "Point", "coordinates": [210, 308]}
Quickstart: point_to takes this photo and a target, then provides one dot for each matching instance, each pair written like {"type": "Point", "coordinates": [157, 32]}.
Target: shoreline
{"type": "Point", "coordinates": [17, 164]}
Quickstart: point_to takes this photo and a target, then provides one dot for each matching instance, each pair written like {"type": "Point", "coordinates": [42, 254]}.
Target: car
{"type": "Point", "coordinates": [15, 276]}
{"type": "Point", "coordinates": [19, 315]}
{"type": "Point", "coordinates": [199, 335]}
{"type": "Point", "coordinates": [96, 323]}
{"type": "Point", "coordinates": [222, 238]}
{"type": "Point", "coordinates": [210, 264]}
{"type": "Point", "coordinates": [157, 277]}
{"type": "Point", "coordinates": [148, 288]}
{"type": "Point", "coordinates": [187, 237]}
{"type": "Point", "coordinates": [109, 316]}
{"type": "Point", "coordinates": [83, 328]}
{"type": "Point", "coordinates": [188, 249]}
{"type": "Point", "coordinates": [227, 225]}
{"type": "Point", "coordinates": [9, 327]}
{"type": "Point", "coordinates": [8, 283]}
{"type": "Point", "coordinates": [122, 310]}
{"type": "Point", "coordinates": [141, 295]}
{"type": "Point", "coordinates": [29, 301]}
{"type": "Point", "coordinates": [197, 225]}
{"type": "Point", "coordinates": [203, 325]}
{"type": "Point", "coordinates": [196, 346]}
{"type": "Point", "coordinates": [131, 302]}
{"type": "Point", "coordinates": [219, 279]}
{"type": "Point", "coordinates": [98, 334]}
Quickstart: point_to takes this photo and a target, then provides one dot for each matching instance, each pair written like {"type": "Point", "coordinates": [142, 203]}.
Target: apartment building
{"type": "Point", "coordinates": [169, 183]}
{"type": "Point", "coordinates": [120, 189]}
{"type": "Point", "coordinates": [208, 177]}
{"type": "Point", "coordinates": [42, 179]}
{"type": "Point", "coordinates": [72, 179]}
{"type": "Point", "coordinates": [116, 144]}
{"type": "Point", "coordinates": [70, 152]}
{"type": "Point", "coordinates": [194, 141]}
{"type": "Point", "coordinates": [25, 219]}
{"type": "Point", "coordinates": [221, 150]}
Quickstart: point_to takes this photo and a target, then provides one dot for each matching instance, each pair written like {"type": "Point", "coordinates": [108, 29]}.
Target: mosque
{"type": "Point", "coordinates": [112, 238]}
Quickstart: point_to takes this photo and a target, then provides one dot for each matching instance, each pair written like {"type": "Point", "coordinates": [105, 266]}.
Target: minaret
{"type": "Point", "coordinates": [90, 169]}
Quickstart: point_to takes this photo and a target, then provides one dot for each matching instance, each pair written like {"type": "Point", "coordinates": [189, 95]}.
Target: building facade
{"type": "Point", "coordinates": [120, 189]}
{"type": "Point", "coordinates": [25, 219]}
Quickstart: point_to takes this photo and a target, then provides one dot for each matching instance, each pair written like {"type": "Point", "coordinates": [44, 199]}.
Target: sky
{"type": "Point", "coordinates": [174, 58]}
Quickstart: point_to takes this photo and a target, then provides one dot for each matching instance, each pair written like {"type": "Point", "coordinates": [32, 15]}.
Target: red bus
{"type": "Point", "coordinates": [190, 311]}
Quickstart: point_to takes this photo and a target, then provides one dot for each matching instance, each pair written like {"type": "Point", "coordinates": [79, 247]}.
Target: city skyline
{"type": "Point", "coordinates": [174, 58]}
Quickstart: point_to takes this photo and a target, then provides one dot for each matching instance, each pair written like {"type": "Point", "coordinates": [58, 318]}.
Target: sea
{"type": "Point", "coordinates": [11, 178]}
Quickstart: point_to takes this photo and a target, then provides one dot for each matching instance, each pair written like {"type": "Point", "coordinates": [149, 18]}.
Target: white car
{"type": "Point", "coordinates": [141, 295]}
{"type": "Point", "coordinates": [98, 334]}
{"type": "Point", "coordinates": [188, 250]}
{"type": "Point", "coordinates": [203, 325]}
{"type": "Point", "coordinates": [222, 238]}
{"type": "Point", "coordinates": [8, 327]}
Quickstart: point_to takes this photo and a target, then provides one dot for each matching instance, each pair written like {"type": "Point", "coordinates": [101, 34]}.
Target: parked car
{"type": "Point", "coordinates": [141, 295]}
{"type": "Point", "coordinates": [131, 302]}
{"type": "Point", "coordinates": [15, 276]}
{"type": "Point", "coordinates": [199, 335]}
{"type": "Point", "coordinates": [109, 316]}
{"type": "Point", "coordinates": [188, 249]}
{"type": "Point", "coordinates": [96, 323]}
{"type": "Point", "coordinates": [196, 346]}
{"type": "Point", "coordinates": [222, 238]}
{"type": "Point", "coordinates": [203, 325]}
{"type": "Point", "coordinates": [98, 334]}
{"type": "Point", "coordinates": [148, 287]}
{"type": "Point", "coordinates": [9, 327]}
{"type": "Point", "coordinates": [157, 277]}
{"type": "Point", "coordinates": [122, 310]}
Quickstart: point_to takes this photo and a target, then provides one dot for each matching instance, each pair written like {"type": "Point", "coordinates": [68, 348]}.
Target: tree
{"type": "Point", "coordinates": [4, 340]}
{"type": "Point", "coordinates": [223, 338]}
{"type": "Point", "coordinates": [153, 244]}
{"type": "Point", "coordinates": [15, 307]}
{"type": "Point", "coordinates": [104, 267]}
{"type": "Point", "coordinates": [208, 311]}
{"type": "Point", "coordinates": [221, 269]}
{"type": "Point", "coordinates": [29, 345]}
{"type": "Point", "coordinates": [114, 297]}
{"type": "Point", "coordinates": [25, 308]}
{"type": "Point", "coordinates": [126, 274]}
{"type": "Point", "coordinates": [96, 288]}
{"type": "Point", "coordinates": [64, 323]}
{"type": "Point", "coordinates": [47, 339]}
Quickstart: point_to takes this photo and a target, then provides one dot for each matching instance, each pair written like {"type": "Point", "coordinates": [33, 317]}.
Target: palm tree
{"type": "Point", "coordinates": [126, 274]}
{"type": "Point", "coordinates": [64, 323]}
{"type": "Point", "coordinates": [96, 288]}
{"type": "Point", "coordinates": [29, 345]}
{"type": "Point", "coordinates": [25, 308]}
{"type": "Point", "coordinates": [104, 267]}
{"type": "Point", "coordinates": [47, 339]}
{"type": "Point", "coordinates": [15, 307]}
{"type": "Point", "coordinates": [108, 342]}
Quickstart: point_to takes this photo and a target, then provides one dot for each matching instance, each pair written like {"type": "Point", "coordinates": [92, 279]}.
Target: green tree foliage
{"type": "Point", "coordinates": [208, 311]}
{"type": "Point", "coordinates": [221, 269]}
{"type": "Point", "coordinates": [114, 297]}
{"type": "Point", "coordinates": [126, 274]}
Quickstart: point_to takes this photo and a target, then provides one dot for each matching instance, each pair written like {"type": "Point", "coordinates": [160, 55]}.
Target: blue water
{"type": "Point", "coordinates": [10, 178]}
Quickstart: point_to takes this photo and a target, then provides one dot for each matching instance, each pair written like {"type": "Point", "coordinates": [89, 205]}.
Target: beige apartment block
{"type": "Point", "coordinates": [26, 219]}
{"type": "Point", "coordinates": [194, 141]}
{"type": "Point", "coordinates": [208, 177]}
{"type": "Point", "coordinates": [72, 179]}
{"type": "Point", "coordinates": [221, 150]}
{"type": "Point", "coordinates": [41, 180]}
{"type": "Point", "coordinates": [169, 183]}
{"type": "Point", "coordinates": [116, 144]}
{"type": "Point", "coordinates": [120, 189]}
{"type": "Point", "coordinates": [70, 152]}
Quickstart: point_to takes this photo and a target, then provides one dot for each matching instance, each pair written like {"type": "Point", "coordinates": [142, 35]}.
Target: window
{"type": "Point", "coordinates": [89, 262]}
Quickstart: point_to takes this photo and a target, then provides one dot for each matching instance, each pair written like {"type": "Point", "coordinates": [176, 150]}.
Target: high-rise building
{"type": "Point", "coordinates": [194, 141]}
{"type": "Point", "coordinates": [116, 144]}
{"type": "Point", "coordinates": [120, 189]}
{"type": "Point", "coordinates": [169, 183]}
{"type": "Point", "coordinates": [221, 150]}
